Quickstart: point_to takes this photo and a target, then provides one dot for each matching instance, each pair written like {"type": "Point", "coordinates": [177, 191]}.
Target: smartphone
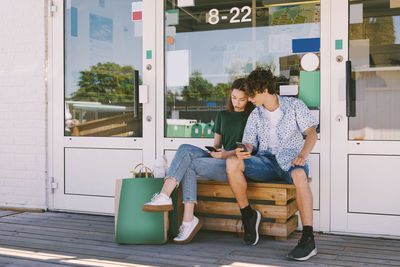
{"type": "Point", "coordinates": [211, 148]}
{"type": "Point", "coordinates": [241, 145]}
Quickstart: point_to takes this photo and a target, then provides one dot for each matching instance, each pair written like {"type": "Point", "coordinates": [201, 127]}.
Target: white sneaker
{"type": "Point", "coordinates": [159, 202]}
{"type": "Point", "coordinates": [188, 230]}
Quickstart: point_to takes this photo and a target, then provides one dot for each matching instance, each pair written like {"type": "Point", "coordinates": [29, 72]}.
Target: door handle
{"type": "Point", "coordinates": [350, 92]}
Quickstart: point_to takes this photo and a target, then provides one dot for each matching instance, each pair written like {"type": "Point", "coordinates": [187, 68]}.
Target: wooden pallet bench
{"type": "Point", "coordinates": [276, 201]}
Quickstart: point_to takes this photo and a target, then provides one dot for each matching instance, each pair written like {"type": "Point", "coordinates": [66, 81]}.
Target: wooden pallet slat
{"type": "Point", "coordinates": [231, 208]}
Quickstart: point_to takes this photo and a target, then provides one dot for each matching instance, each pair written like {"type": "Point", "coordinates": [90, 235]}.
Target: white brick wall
{"type": "Point", "coordinates": [22, 104]}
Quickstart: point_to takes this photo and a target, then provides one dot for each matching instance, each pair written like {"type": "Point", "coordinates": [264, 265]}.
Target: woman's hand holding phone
{"type": "Point", "coordinates": [211, 148]}
{"type": "Point", "coordinates": [219, 154]}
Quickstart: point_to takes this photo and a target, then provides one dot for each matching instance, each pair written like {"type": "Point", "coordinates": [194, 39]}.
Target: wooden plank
{"type": "Point", "coordinates": [65, 229]}
{"type": "Point", "coordinates": [60, 236]}
{"type": "Point", "coordinates": [20, 262]}
{"type": "Point", "coordinates": [58, 223]}
{"type": "Point", "coordinates": [291, 194]}
{"type": "Point", "coordinates": [354, 240]}
{"type": "Point", "coordinates": [39, 229]}
{"type": "Point", "coordinates": [4, 213]}
{"type": "Point", "coordinates": [74, 216]}
{"type": "Point", "coordinates": [251, 184]}
{"type": "Point", "coordinates": [231, 208]}
{"type": "Point", "coordinates": [375, 262]}
{"type": "Point", "coordinates": [224, 191]}
{"type": "Point", "coordinates": [22, 209]}
{"type": "Point", "coordinates": [105, 121]}
{"type": "Point", "coordinates": [32, 216]}
{"type": "Point", "coordinates": [115, 130]}
{"type": "Point", "coordinates": [293, 223]}
{"type": "Point", "coordinates": [242, 258]}
{"type": "Point", "coordinates": [266, 228]}
{"type": "Point", "coordinates": [376, 255]}
{"type": "Point", "coordinates": [88, 228]}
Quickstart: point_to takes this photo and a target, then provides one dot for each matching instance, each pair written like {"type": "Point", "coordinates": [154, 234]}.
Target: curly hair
{"type": "Point", "coordinates": [259, 80]}
{"type": "Point", "coordinates": [239, 84]}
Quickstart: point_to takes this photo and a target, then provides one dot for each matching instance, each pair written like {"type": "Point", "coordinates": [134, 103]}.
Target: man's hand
{"type": "Point", "coordinates": [299, 161]}
{"type": "Point", "coordinates": [240, 154]}
{"type": "Point", "coordinates": [220, 154]}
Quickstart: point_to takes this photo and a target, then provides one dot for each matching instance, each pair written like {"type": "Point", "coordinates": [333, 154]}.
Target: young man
{"type": "Point", "coordinates": [275, 128]}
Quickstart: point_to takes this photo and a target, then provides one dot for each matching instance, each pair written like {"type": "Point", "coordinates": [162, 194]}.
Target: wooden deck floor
{"type": "Point", "coordinates": [63, 239]}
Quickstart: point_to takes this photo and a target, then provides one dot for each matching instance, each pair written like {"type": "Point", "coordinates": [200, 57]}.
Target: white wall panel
{"type": "Point", "coordinates": [23, 104]}
{"type": "Point", "coordinates": [94, 171]}
{"type": "Point", "coordinates": [374, 183]}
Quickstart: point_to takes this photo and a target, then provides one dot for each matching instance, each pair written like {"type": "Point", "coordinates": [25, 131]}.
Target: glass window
{"type": "Point", "coordinates": [103, 59]}
{"type": "Point", "coordinates": [209, 44]}
{"type": "Point", "coordinates": [374, 50]}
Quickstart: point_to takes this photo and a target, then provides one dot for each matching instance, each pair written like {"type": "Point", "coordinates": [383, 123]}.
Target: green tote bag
{"type": "Point", "coordinates": [132, 224]}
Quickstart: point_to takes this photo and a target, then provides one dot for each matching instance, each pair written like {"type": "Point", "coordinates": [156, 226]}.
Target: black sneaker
{"type": "Point", "coordinates": [251, 228]}
{"type": "Point", "coordinates": [304, 250]}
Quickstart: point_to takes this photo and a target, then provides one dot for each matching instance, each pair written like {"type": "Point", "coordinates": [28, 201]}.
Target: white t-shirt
{"type": "Point", "coordinates": [273, 117]}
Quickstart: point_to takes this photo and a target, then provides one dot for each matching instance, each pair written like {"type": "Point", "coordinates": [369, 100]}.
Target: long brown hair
{"type": "Point", "coordinates": [239, 84]}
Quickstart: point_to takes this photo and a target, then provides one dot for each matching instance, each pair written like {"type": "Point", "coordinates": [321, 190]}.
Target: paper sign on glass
{"type": "Point", "coordinates": [137, 6]}
{"type": "Point", "coordinates": [356, 13]}
{"type": "Point", "coordinates": [289, 89]}
{"type": "Point", "coordinates": [359, 52]}
{"type": "Point", "coordinates": [138, 28]}
{"type": "Point", "coordinates": [310, 88]}
{"type": "Point", "coordinates": [172, 17]}
{"type": "Point", "coordinates": [306, 45]}
{"type": "Point", "coordinates": [177, 68]}
{"type": "Point", "coordinates": [170, 31]}
{"type": "Point", "coordinates": [185, 3]}
{"type": "Point", "coordinates": [394, 3]}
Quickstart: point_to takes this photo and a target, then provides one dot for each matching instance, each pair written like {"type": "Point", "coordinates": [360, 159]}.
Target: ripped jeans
{"type": "Point", "coordinates": [191, 162]}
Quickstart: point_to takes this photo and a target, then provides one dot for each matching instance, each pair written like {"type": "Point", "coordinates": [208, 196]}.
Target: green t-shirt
{"type": "Point", "coordinates": [230, 125]}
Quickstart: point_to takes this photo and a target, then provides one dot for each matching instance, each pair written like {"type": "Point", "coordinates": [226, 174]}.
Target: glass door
{"type": "Point", "coordinates": [206, 45]}
{"type": "Point", "coordinates": [365, 123]}
{"type": "Point", "coordinates": [100, 48]}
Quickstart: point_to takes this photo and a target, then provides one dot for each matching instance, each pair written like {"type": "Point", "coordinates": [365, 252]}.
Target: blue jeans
{"type": "Point", "coordinates": [191, 162]}
{"type": "Point", "coordinates": [265, 168]}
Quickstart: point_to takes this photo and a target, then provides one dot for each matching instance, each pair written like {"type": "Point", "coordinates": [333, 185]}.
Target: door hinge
{"type": "Point", "coordinates": [51, 7]}
{"type": "Point", "coordinates": [54, 185]}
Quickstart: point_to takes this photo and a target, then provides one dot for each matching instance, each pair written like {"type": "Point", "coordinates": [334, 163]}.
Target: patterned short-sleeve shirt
{"type": "Point", "coordinates": [295, 119]}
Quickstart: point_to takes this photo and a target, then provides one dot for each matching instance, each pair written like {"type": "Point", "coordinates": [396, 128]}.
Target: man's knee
{"type": "Point", "coordinates": [299, 176]}
{"type": "Point", "coordinates": [234, 165]}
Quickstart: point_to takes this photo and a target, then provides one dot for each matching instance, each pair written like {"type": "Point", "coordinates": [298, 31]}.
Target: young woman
{"type": "Point", "coordinates": [191, 162]}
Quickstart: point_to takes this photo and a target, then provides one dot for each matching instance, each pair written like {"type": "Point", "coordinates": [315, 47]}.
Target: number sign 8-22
{"type": "Point", "coordinates": [214, 18]}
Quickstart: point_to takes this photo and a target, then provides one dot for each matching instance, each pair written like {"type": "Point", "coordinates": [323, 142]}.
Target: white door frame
{"type": "Point", "coordinates": [57, 200]}
{"type": "Point", "coordinates": [324, 147]}
{"type": "Point", "coordinates": [342, 220]}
